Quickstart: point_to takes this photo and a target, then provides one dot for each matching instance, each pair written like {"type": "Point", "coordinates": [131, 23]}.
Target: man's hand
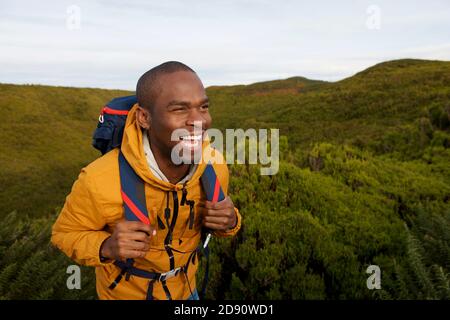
{"type": "Point", "coordinates": [219, 215]}
{"type": "Point", "coordinates": [130, 239]}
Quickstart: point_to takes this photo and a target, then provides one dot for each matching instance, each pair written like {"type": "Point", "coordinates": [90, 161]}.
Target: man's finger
{"type": "Point", "coordinates": [210, 205]}
{"type": "Point", "coordinates": [217, 213]}
{"type": "Point", "coordinates": [132, 254]}
{"type": "Point", "coordinates": [217, 220]}
{"type": "Point", "coordinates": [136, 245]}
{"type": "Point", "coordinates": [214, 226]}
{"type": "Point", "coordinates": [218, 205]}
{"type": "Point", "coordinates": [138, 236]}
{"type": "Point", "coordinates": [139, 226]}
{"type": "Point", "coordinates": [229, 211]}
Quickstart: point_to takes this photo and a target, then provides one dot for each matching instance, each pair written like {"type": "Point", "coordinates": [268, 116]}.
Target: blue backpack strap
{"type": "Point", "coordinates": [214, 193]}
{"type": "Point", "coordinates": [133, 193]}
{"type": "Point", "coordinates": [211, 184]}
{"type": "Point", "coordinates": [213, 190]}
{"type": "Point", "coordinates": [133, 196]}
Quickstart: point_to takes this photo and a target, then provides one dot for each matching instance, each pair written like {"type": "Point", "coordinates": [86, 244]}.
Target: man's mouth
{"type": "Point", "coordinates": [191, 137]}
{"type": "Point", "coordinates": [191, 140]}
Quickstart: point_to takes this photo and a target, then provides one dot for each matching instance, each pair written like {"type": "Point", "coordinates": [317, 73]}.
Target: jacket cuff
{"type": "Point", "coordinates": [104, 260]}
{"type": "Point", "coordinates": [101, 238]}
{"type": "Point", "coordinates": [231, 232]}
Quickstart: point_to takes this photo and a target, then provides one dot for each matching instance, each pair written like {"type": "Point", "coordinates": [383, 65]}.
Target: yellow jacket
{"type": "Point", "coordinates": [94, 207]}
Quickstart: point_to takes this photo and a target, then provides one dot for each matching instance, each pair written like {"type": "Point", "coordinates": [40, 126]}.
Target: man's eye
{"type": "Point", "coordinates": [205, 107]}
{"type": "Point", "coordinates": [179, 109]}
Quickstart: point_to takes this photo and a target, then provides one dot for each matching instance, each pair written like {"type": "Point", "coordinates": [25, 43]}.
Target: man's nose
{"type": "Point", "coordinates": [196, 118]}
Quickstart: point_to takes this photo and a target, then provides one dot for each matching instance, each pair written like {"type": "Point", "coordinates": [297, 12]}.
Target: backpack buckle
{"type": "Point", "coordinates": [169, 274]}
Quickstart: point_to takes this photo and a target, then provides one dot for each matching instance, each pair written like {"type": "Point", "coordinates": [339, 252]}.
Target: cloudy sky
{"type": "Point", "coordinates": [109, 44]}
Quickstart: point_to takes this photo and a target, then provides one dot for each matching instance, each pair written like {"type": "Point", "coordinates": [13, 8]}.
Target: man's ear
{"type": "Point", "coordinates": [143, 118]}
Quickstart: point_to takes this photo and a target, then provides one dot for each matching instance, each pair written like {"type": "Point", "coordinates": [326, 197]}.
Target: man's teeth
{"type": "Point", "coordinates": [192, 138]}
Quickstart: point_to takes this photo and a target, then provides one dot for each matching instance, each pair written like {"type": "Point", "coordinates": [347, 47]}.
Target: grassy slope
{"type": "Point", "coordinates": [45, 138]}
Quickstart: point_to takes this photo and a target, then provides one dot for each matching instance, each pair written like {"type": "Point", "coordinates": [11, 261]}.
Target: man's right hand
{"type": "Point", "coordinates": [130, 239]}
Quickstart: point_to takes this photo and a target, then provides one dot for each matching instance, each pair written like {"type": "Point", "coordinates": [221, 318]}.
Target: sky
{"type": "Point", "coordinates": [109, 44]}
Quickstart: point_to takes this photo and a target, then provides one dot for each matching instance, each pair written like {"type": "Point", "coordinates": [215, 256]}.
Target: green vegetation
{"type": "Point", "coordinates": [364, 179]}
{"type": "Point", "coordinates": [312, 234]}
{"type": "Point", "coordinates": [33, 269]}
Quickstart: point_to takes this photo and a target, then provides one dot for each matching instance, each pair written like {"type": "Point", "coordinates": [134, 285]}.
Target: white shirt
{"type": "Point", "coordinates": [154, 165]}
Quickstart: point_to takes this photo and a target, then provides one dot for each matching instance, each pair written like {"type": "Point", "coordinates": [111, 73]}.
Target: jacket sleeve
{"type": "Point", "coordinates": [78, 231]}
{"type": "Point", "coordinates": [223, 175]}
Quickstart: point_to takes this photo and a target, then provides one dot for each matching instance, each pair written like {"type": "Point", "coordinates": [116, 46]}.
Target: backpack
{"type": "Point", "coordinates": [111, 123]}
{"type": "Point", "coordinates": [107, 136]}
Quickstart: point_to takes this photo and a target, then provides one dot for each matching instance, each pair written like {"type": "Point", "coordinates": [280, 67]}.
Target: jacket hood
{"type": "Point", "coordinates": [133, 150]}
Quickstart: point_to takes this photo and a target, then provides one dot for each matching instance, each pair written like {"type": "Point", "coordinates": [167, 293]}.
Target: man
{"type": "Point", "coordinates": [91, 228]}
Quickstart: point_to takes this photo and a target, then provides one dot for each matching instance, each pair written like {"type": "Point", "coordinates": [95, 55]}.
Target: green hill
{"type": "Point", "coordinates": [364, 179]}
{"type": "Point", "coordinates": [45, 138]}
{"type": "Point", "coordinates": [357, 109]}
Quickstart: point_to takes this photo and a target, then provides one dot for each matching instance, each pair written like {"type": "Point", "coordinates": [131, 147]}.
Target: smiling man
{"type": "Point", "coordinates": [91, 228]}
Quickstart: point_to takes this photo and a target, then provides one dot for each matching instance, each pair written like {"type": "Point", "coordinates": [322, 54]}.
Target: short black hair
{"type": "Point", "coordinates": [148, 84]}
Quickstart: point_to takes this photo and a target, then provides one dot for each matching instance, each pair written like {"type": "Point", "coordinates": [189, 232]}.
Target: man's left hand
{"type": "Point", "coordinates": [219, 215]}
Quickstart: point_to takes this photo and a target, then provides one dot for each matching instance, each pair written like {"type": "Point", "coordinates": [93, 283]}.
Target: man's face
{"type": "Point", "coordinates": [180, 102]}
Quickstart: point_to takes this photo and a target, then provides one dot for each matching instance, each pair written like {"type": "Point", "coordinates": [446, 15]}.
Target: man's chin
{"type": "Point", "coordinates": [188, 155]}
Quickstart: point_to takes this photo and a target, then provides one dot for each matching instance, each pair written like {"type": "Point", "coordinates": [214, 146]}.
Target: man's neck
{"type": "Point", "coordinates": [173, 172]}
